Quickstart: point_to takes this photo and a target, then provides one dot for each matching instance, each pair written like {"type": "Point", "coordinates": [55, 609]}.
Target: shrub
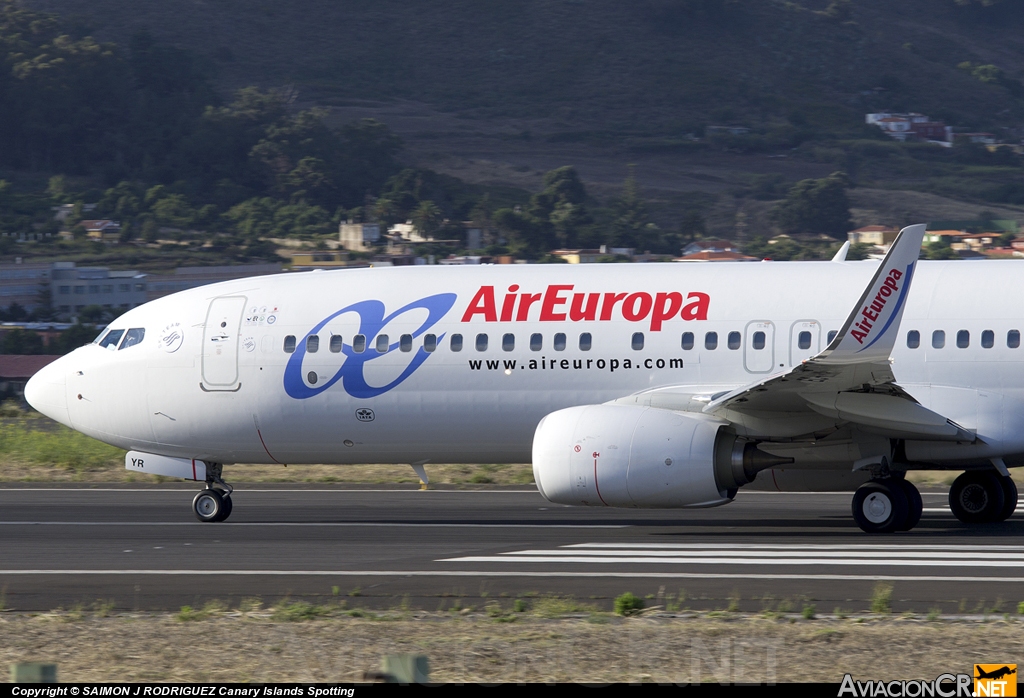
{"type": "Point", "coordinates": [628, 604]}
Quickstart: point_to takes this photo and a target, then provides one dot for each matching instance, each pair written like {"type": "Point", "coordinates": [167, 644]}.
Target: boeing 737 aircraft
{"type": "Point", "coordinates": [662, 385]}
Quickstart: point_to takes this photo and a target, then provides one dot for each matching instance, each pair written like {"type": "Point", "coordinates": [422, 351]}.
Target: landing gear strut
{"type": "Point", "coordinates": [983, 496]}
{"type": "Point", "coordinates": [214, 503]}
{"type": "Point", "coordinates": [887, 505]}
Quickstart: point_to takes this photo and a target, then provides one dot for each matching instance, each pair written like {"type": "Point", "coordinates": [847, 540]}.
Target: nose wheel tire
{"type": "Point", "coordinates": [880, 506]}
{"type": "Point", "coordinates": [211, 506]}
{"type": "Point", "coordinates": [979, 496]}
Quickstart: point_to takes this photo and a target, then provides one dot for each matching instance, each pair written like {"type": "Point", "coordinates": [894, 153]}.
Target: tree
{"type": "Point", "coordinates": [815, 206]}
{"type": "Point", "coordinates": [631, 226]}
{"type": "Point", "coordinates": [426, 217]}
{"type": "Point", "coordinates": [73, 337]}
{"type": "Point", "coordinates": [525, 234]}
{"type": "Point", "coordinates": [19, 341]}
{"type": "Point", "coordinates": [560, 206]}
{"type": "Point", "coordinates": [692, 225]}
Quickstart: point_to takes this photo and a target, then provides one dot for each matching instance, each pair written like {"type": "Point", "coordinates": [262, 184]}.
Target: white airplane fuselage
{"type": "Point", "coordinates": [212, 377]}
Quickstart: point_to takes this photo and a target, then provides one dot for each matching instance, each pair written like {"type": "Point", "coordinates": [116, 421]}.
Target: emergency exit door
{"type": "Point", "coordinates": [220, 343]}
{"type": "Point", "coordinates": [804, 340]}
{"type": "Point", "coordinates": [759, 347]}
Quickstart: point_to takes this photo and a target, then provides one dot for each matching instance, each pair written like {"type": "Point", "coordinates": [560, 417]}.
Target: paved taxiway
{"type": "Point", "coordinates": [142, 549]}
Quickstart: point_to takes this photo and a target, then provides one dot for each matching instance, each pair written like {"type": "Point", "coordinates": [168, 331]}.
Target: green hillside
{"type": "Point", "coordinates": [223, 124]}
{"type": "Point", "coordinates": [651, 66]}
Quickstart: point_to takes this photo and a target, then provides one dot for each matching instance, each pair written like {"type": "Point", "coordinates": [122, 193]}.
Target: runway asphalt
{"type": "Point", "coordinates": [140, 548]}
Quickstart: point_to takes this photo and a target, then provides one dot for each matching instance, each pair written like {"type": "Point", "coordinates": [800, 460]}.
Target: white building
{"type": "Point", "coordinates": [358, 237]}
{"type": "Point", "coordinates": [407, 232]}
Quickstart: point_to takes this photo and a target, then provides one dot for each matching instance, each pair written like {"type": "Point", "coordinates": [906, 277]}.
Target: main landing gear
{"type": "Point", "coordinates": [983, 496]}
{"type": "Point", "coordinates": [214, 503]}
{"type": "Point", "coordinates": [887, 505]}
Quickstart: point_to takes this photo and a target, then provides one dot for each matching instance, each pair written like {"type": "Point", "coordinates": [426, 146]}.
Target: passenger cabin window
{"type": "Point", "coordinates": [312, 344]}
{"type": "Point", "coordinates": [803, 340]}
{"type": "Point", "coordinates": [560, 341]}
{"type": "Point", "coordinates": [336, 344]}
{"type": "Point", "coordinates": [938, 339]}
{"type": "Point", "coordinates": [111, 340]}
{"type": "Point", "coordinates": [711, 341]}
{"type": "Point", "coordinates": [638, 341]}
{"type": "Point", "coordinates": [758, 340]}
{"type": "Point", "coordinates": [913, 339]}
{"type": "Point", "coordinates": [289, 344]}
{"type": "Point", "coordinates": [988, 339]}
{"type": "Point", "coordinates": [585, 341]}
{"type": "Point", "coordinates": [1013, 339]}
{"type": "Point", "coordinates": [405, 342]}
{"type": "Point", "coordinates": [832, 335]}
{"type": "Point", "coordinates": [508, 342]}
{"type": "Point", "coordinates": [430, 342]}
{"type": "Point", "coordinates": [382, 343]}
{"type": "Point", "coordinates": [963, 339]}
{"type": "Point", "coordinates": [359, 343]}
{"type": "Point", "coordinates": [481, 342]}
{"type": "Point", "coordinates": [536, 342]}
{"type": "Point", "coordinates": [456, 342]}
{"type": "Point", "coordinates": [734, 340]}
{"type": "Point", "coordinates": [687, 342]}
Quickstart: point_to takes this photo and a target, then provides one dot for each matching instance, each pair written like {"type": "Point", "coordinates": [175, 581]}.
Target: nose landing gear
{"type": "Point", "coordinates": [213, 504]}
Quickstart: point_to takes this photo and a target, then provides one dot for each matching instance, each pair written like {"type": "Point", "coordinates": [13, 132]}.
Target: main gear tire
{"type": "Point", "coordinates": [880, 506]}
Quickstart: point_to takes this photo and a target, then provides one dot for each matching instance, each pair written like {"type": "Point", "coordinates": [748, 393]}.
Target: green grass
{"type": "Point", "coordinates": [555, 606]}
{"type": "Point", "coordinates": [881, 599]}
{"type": "Point", "coordinates": [297, 611]}
{"type": "Point", "coordinates": [58, 446]}
{"type": "Point", "coordinates": [188, 614]}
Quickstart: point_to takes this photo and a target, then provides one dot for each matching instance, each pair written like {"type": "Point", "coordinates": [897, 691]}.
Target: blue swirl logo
{"type": "Point", "coordinates": [371, 321]}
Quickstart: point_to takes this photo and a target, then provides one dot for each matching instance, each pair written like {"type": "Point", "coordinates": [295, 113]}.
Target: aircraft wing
{"type": "Point", "coordinates": [851, 380]}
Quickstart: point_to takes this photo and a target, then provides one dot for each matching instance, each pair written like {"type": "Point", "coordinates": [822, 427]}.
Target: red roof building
{"type": "Point", "coordinates": [16, 369]}
{"type": "Point", "coordinates": [716, 257]}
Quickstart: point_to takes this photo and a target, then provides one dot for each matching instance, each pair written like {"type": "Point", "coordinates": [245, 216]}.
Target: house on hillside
{"type": "Point", "coordinates": [879, 235]}
{"type": "Point", "coordinates": [963, 241]}
{"type": "Point", "coordinates": [911, 127]}
{"type": "Point", "coordinates": [358, 237]}
{"type": "Point", "coordinates": [709, 256]}
{"type": "Point", "coordinates": [103, 230]}
{"type": "Point", "coordinates": [320, 259]}
{"type": "Point", "coordinates": [710, 245]}
{"type": "Point", "coordinates": [579, 256]}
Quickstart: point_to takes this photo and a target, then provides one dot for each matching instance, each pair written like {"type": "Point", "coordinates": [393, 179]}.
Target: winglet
{"type": "Point", "coordinates": [869, 333]}
{"type": "Point", "coordinates": [840, 256]}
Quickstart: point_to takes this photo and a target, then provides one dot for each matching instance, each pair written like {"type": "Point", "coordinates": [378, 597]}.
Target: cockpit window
{"type": "Point", "coordinates": [132, 337]}
{"type": "Point", "coordinates": [100, 335]}
{"type": "Point", "coordinates": [111, 339]}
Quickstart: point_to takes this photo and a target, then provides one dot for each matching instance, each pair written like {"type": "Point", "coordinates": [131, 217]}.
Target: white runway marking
{"type": "Point", "coordinates": [482, 574]}
{"type": "Point", "coordinates": [765, 555]}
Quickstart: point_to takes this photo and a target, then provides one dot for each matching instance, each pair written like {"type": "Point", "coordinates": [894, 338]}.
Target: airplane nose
{"type": "Point", "coordinates": [47, 393]}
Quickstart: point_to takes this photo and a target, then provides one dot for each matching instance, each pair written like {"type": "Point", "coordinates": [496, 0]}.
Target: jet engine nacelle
{"type": "Point", "coordinates": [628, 456]}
